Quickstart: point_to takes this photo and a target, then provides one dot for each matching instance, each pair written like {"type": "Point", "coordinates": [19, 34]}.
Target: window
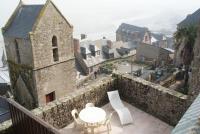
{"type": "Point", "coordinates": [50, 97]}
{"type": "Point", "coordinates": [17, 52]}
{"type": "Point", "coordinates": [146, 38]}
{"type": "Point", "coordinates": [55, 54]}
{"type": "Point", "coordinates": [54, 41]}
{"type": "Point", "coordinates": [55, 48]}
{"type": "Point", "coordinates": [98, 53]}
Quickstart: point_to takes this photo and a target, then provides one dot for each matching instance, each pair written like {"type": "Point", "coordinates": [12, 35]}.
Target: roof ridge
{"type": "Point", "coordinates": [32, 5]}
{"type": "Point", "coordinates": [134, 25]}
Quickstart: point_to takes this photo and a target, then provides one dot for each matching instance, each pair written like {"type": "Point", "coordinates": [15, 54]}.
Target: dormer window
{"type": "Point", "coordinates": [89, 56]}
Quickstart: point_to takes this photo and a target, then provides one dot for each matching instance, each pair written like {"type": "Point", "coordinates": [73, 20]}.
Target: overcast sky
{"type": "Point", "coordinates": [99, 18]}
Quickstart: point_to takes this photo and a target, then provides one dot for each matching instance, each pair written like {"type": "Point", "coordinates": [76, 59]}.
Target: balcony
{"type": "Point", "coordinates": [155, 109]}
{"type": "Point", "coordinates": [144, 123]}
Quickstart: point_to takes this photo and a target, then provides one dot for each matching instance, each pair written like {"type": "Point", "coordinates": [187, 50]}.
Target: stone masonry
{"type": "Point", "coordinates": [194, 89]}
{"type": "Point", "coordinates": [161, 102]}
{"type": "Point", "coordinates": [37, 73]}
{"type": "Point", "coordinates": [58, 113]}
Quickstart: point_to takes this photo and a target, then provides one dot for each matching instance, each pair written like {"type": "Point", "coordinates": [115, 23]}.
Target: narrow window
{"type": "Point", "coordinates": [50, 97]}
{"type": "Point", "coordinates": [17, 52]}
{"type": "Point", "coordinates": [55, 48]}
{"type": "Point", "coordinates": [54, 41]}
{"type": "Point", "coordinates": [146, 38]}
{"type": "Point", "coordinates": [55, 54]}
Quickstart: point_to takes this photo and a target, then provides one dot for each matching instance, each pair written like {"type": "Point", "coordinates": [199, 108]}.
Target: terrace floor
{"type": "Point", "coordinates": [144, 123]}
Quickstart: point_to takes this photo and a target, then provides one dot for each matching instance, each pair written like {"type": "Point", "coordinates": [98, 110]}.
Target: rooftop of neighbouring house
{"type": "Point", "coordinates": [190, 122]}
{"type": "Point", "coordinates": [191, 19]}
{"type": "Point", "coordinates": [143, 123]}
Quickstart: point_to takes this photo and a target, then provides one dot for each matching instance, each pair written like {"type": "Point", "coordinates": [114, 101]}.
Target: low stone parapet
{"type": "Point", "coordinates": [58, 113]}
{"type": "Point", "coordinates": [165, 104]}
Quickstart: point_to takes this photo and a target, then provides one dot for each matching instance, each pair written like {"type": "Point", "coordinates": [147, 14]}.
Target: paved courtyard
{"type": "Point", "coordinates": [144, 123]}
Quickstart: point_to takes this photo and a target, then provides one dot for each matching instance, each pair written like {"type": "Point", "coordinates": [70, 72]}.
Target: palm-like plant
{"type": "Point", "coordinates": [186, 36]}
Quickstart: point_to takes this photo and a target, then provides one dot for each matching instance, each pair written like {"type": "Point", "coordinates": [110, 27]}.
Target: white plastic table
{"type": "Point", "coordinates": [92, 115]}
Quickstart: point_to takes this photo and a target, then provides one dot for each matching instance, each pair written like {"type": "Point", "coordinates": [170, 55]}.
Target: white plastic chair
{"type": "Point", "coordinates": [107, 122]}
{"type": "Point", "coordinates": [122, 111]}
{"type": "Point", "coordinates": [89, 105]}
{"type": "Point", "coordinates": [77, 122]}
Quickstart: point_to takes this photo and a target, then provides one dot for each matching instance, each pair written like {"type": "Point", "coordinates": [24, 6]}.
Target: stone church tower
{"type": "Point", "coordinates": [39, 47]}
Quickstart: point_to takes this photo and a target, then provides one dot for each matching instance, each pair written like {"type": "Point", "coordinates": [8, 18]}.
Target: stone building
{"type": "Point", "coordinates": [39, 47]}
{"type": "Point", "coordinates": [127, 32]}
{"type": "Point", "coordinates": [151, 54]}
{"type": "Point", "coordinates": [159, 40]}
{"type": "Point", "coordinates": [89, 57]}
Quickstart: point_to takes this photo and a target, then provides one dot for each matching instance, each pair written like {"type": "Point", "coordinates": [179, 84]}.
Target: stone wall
{"type": "Point", "coordinates": [25, 50]}
{"type": "Point", "coordinates": [21, 74]}
{"type": "Point", "coordinates": [39, 72]}
{"type": "Point", "coordinates": [49, 75]}
{"type": "Point", "coordinates": [59, 78]}
{"type": "Point", "coordinates": [194, 89]}
{"type": "Point", "coordinates": [161, 102]}
{"type": "Point", "coordinates": [58, 113]}
{"type": "Point", "coordinates": [43, 33]}
{"type": "Point", "coordinates": [148, 52]}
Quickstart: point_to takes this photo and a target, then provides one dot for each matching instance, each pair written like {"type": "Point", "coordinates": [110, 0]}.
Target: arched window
{"type": "Point", "coordinates": [54, 41]}
{"type": "Point", "coordinates": [55, 48]}
{"type": "Point", "coordinates": [17, 52]}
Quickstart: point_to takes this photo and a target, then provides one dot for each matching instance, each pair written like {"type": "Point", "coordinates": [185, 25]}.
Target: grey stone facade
{"type": "Point", "coordinates": [151, 53]}
{"type": "Point", "coordinates": [38, 73]}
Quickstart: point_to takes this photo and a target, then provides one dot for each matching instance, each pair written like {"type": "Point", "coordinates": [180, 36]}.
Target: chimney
{"type": "Point", "coordinates": [109, 43]}
{"type": "Point", "coordinates": [83, 36]}
{"type": "Point", "coordinates": [76, 46]}
{"type": "Point", "coordinates": [83, 52]}
{"type": "Point", "coordinates": [92, 49]}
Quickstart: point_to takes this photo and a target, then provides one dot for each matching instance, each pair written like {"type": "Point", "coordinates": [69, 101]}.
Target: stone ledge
{"type": "Point", "coordinates": [154, 86]}
{"type": "Point", "coordinates": [58, 113]}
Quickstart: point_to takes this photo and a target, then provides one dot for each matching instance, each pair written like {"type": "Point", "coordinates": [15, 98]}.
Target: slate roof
{"type": "Point", "coordinates": [23, 21]}
{"type": "Point", "coordinates": [93, 60]}
{"type": "Point", "coordinates": [130, 45]}
{"type": "Point", "coordinates": [4, 76]}
{"type": "Point", "coordinates": [157, 36]}
{"type": "Point", "coordinates": [189, 119]}
{"type": "Point", "coordinates": [191, 19]}
{"type": "Point", "coordinates": [127, 28]}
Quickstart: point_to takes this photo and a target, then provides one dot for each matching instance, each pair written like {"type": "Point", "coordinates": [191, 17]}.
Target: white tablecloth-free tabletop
{"type": "Point", "coordinates": [92, 115]}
